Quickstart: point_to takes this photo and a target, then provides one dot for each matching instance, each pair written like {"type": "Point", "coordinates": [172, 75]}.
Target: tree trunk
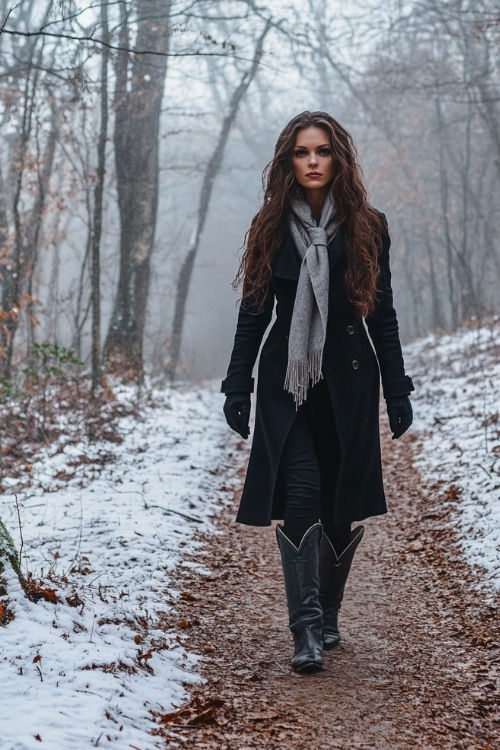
{"type": "Point", "coordinates": [438, 319]}
{"type": "Point", "coordinates": [137, 103]}
{"type": "Point", "coordinates": [9, 558]}
{"type": "Point", "coordinates": [443, 185]}
{"type": "Point", "coordinates": [211, 172]}
{"type": "Point", "coordinates": [18, 270]}
{"type": "Point", "coordinates": [34, 221]}
{"type": "Point", "coordinates": [97, 224]}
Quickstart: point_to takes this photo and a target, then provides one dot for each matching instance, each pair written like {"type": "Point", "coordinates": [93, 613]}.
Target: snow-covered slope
{"type": "Point", "coordinates": [86, 671]}
{"type": "Point", "coordinates": [457, 413]}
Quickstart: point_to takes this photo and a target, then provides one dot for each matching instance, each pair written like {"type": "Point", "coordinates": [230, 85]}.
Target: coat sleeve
{"type": "Point", "coordinates": [384, 332]}
{"type": "Point", "coordinates": [250, 331]}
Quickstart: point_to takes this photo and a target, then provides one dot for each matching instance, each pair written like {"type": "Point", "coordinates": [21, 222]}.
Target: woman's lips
{"type": "Point", "coordinates": [313, 174]}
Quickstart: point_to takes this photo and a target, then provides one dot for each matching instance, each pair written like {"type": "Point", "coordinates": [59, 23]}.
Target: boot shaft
{"type": "Point", "coordinates": [334, 568]}
{"type": "Point", "coordinates": [301, 576]}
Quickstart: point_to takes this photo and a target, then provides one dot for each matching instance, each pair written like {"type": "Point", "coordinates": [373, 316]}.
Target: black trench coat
{"type": "Point", "coordinates": [351, 373]}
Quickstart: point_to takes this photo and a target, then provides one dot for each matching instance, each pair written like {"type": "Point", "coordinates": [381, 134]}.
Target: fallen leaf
{"type": "Point", "coordinates": [37, 592]}
{"type": "Point", "coordinates": [187, 596]}
{"type": "Point", "coordinates": [175, 716]}
{"type": "Point", "coordinates": [263, 716]}
{"type": "Point", "coordinates": [74, 600]}
{"type": "Point", "coordinates": [416, 547]}
{"type": "Point", "coordinates": [199, 714]}
{"type": "Point", "coordinates": [255, 677]}
{"type": "Point", "coordinates": [206, 717]}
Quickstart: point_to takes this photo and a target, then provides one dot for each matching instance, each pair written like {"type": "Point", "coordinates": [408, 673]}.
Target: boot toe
{"type": "Point", "coordinates": [308, 667]}
{"type": "Point", "coordinates": [308, 656]}
{"type": "Point", "coordinates": [330, 640]}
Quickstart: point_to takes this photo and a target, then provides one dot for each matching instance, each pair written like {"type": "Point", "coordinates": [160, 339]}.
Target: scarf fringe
{"type": "Point", "coordinates": [300, 375]}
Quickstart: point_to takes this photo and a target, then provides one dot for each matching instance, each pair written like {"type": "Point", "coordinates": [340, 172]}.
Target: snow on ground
{"type": "Point", "coordinates": [85, 672]}
{"type": "Point", "coordinates": [457, 412]}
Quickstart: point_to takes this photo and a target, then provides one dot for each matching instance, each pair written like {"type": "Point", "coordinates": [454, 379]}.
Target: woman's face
{"type": "Point", "coordinates": [312, 159]}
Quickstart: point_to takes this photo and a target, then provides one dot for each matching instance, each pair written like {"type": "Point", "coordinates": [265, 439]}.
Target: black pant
{"type": "Point", "coordinates": [309, 493]}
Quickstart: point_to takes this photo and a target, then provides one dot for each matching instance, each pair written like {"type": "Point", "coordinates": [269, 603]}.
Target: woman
{"type": "Point", "coordinates": [321, 251]}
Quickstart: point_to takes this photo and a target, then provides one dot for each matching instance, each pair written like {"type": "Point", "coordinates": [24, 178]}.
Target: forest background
{"type": "Point", "coordinates": [134, 134]}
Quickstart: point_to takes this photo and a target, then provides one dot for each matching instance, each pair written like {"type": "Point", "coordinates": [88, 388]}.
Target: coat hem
{"type": "Point", "coordinates": [341, 519]}
{"type": "Point", "coordinates": [252, 523]}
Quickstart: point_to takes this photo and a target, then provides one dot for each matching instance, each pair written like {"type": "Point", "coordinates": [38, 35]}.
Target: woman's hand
{"type": "Point", "coordinates": [237, 413]}
{"type": "Point", "coordinates": [400, 415]}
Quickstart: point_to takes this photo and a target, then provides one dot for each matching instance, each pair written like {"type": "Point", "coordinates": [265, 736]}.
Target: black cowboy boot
{"type": "Point", "coordinates": [333, 572]}
{"type": "Point", "coordinates": [300, 571]}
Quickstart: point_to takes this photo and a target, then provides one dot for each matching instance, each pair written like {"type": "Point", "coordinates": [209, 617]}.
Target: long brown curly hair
{"type": "Point", "coordinates": [361, 224]}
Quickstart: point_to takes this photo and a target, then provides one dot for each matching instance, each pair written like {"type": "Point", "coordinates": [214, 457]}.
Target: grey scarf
{"type": "Point", "coordinates": [310, 312]}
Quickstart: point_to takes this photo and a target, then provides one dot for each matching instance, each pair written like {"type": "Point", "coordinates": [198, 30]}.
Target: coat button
{"type": "Point", "coordinates": [355, 364]}
{"type": "Point", "coordinates": [350, 330]}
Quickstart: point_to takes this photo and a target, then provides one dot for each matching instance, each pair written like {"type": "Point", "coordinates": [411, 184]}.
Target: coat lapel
{"type": "Point", "coordinates": [287, 263]}
{"type": "Point", "coordinates": [336, 249]}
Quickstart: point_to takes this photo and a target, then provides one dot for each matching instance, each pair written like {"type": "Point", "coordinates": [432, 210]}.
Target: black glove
{"type": "Point", "coordinates": [400, 415]}
{"type": "Point", "coordinates": [237, 413]}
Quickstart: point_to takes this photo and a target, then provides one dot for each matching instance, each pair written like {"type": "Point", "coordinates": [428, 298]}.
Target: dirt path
{"type": "Point", "coordinates": [418, 665]}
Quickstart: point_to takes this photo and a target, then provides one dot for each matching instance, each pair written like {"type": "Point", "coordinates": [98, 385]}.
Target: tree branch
{"type": "Point", "coordinates": [118, 48]}
{"type": "Point", "coordinates": [7, 17]}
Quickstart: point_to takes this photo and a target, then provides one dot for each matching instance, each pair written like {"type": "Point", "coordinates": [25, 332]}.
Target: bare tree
{"type": "Point", "coordinates": [98, 193]}
{"type": "Point", "coordinates": [137, 104]}
{"type": "Point", "coordinates": [212, 169]}
{"type": "Point", "coordinates": [20, 250]}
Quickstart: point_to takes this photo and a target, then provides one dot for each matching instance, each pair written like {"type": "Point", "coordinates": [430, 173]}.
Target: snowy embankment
{"type": "Point", "coordinates": [457, 413]}
{"type": "Point", "coordinates": [86, 671]}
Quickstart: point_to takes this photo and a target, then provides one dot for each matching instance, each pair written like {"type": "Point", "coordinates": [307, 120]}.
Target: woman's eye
{"type": "Point", "coordinates": [324, 152]}
{"type": "Point", "coordinates": [301, 152]}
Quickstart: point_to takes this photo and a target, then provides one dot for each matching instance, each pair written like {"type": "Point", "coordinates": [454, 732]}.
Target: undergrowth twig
{"type": "Point", "coordinates": [20, 553]}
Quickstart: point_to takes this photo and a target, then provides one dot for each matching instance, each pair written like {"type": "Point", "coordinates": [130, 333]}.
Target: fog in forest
{"type": "Point", "coordinates": [134, 135]}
